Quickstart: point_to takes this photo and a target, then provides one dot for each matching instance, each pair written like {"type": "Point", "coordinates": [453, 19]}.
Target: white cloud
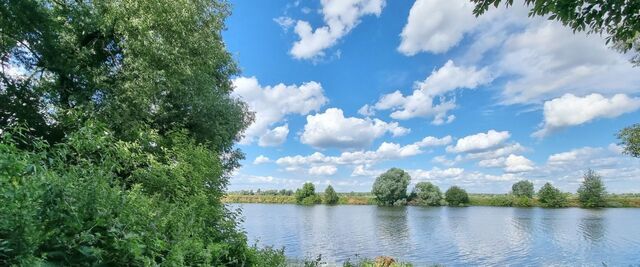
{"type": "Point", "coordinates": [275, 136]}
{"type": "Point", "coordinates": [429, 98]}
{"type": "Point", "coordinates": [272, 103]}
{"type": "Point", "coordinates": [340, 18]}
{"type": "Point", "coordinates": [548, 60]}
{"type": "Point", "coordinates": [435, 141]}
{"type": "Point", "coordinates": [324, 170]}
{"type": "Point", "coordinates": [367, 111]}
{"type": "Point", "coordinates": [517, 164]}
{"type": "Point", "coordinates": [333, 129]}
{"type": "Point", "coordinates": [285, 22]}
{"type": "Point", "coordinates": [261, 160]}
{"type": "Point", "coordinates": [480, 142]}
{"type": "Point", "coordinates": [443, 160]}
{"type": "Point", "coordinates": [364, 170]}
{"type": "Point", "coordinates": [570, 110]}
{"type": "Point", "coordinates": [435, 174]}
{"type": "Point", "coordinates": [436, 25]}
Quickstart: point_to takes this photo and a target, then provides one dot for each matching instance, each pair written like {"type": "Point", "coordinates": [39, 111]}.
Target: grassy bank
{"type": "Point", "coordinates": [495, 200]}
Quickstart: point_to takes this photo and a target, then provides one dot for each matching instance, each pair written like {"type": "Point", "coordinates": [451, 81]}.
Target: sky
{"type": "Point", "coordinates": [344, 90]}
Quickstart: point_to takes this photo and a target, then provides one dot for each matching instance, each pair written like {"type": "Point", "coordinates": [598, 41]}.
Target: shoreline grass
{"type": "Point", "coordinates": [491, 200]}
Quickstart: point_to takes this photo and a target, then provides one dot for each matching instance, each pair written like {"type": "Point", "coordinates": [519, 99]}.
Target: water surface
{"type": "Point", "coordinates": [450, 236]}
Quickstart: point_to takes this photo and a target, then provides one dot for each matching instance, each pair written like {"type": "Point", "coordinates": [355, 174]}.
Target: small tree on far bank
{"type": "Point", "coordinates": [330, 196]}
{"type": "Point", "coordinates": [592, 192]}
{"type": "Point", "coordinates": [551, 197]}
{"type": "Point", "coordinates": [390, 188]}
{"type": "Point", "coordinates": [456, 196]}
{"type": "Point", "coordinates": [307, 195]}
{"type": "Point", "coordinates": [522, 188]}
{"type": "Point", "coordinates": [427, 193]}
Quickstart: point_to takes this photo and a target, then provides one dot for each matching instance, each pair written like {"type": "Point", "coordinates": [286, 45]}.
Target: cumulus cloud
{"type": "Point", "coordinates": [517, 164]}
{"type": "Point", "coordinates": [480, 142]}
{"type": "Point", "coordinates": [275, 136]}
{"type": "Point", "coordinates": [571, 110]}
{"type": "Point", "coordinates": [435, 174]}
{"type": "Point", "coordinates": [261, 160]}
{"type": "Point", "coordinates": [435, 141]}
{"type": "Point", "coordinates": [323, 170]}
{"type": "Point", "coordinates": [272, 104]}
{"type": "Point", "coordinates": [340, 18]}
{"type": "Point", "coordinates": [367, 111]}
{"type": "Point", "coordinates": [332, 129]}
{"type": "Point", "coordinates": [436, 25]}
{"type": "Point", "coordinates": [429, 98]}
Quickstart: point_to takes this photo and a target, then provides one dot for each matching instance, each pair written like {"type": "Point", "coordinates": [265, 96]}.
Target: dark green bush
{"type": "Point", "coordinates": [592, 192]}
{"type": "Point", "coordinates": [307, 195]}
{"type": "Point", "coordinates": [330, 196]}
{"type": "Point", "coordinates": [522, 188]}
{"type": "Point", "coordinates": [426, 193]}
{"type": "Point", "coordinates": [456, 196]}
{"type": "Point", "coordinates": [551, 197]}
{"type": "Point", "coordinates": [391, 187]}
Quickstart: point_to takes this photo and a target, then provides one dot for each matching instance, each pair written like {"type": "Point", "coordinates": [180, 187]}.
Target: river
{"type": "Point", "coordinates": [496, 236]}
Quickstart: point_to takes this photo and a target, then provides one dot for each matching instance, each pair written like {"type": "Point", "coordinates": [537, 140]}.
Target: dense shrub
{"type": "Point", "coordinates": [592, 191]}
{"type": "Point", "coordinates": [391, 187]}
{"type": "Point", "coordinates": [456, 196]}
{"type": "Point", "coordinates": [426, 193]}
{"type": "Point", "coordinates": [330, 196]}
{"type": "Point", "coordinates": [551, 197]}
{"type": "Point", "coordinates": [307, 195]}
{"type": "Point", "coordinates": [522, 188]}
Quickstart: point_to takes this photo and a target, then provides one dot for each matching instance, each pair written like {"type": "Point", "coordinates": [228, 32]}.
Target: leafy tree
{"type": "Point", "coordinates": [617, 18]}
{"type": "Point", "coordinates": [330, 195]}
{"type": "Point", "coordinates": [118, 135]}
{"type": "Point", "coordinates": [630, 139]}
{"type": "Point", "coordinates": [456, 196]}
{"type": "Point", "coordinates": [522, 188]}
{"type": "Point", "coordinates": [592, 192]}
{"type": "Point", "coordinates": [427, 193]}
{"type": "Point", "coordinates": [551, 197]}
{"type": "Point", "coordinates": [307, 195]}
{"type": "Point", "coordinates": [391, 187]}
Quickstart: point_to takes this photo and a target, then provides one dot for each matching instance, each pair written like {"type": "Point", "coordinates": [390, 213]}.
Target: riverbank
{"type": "Point", "coordinates": [494, 200]}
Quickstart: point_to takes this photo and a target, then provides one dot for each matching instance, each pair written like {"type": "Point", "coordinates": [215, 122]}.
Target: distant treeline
{"type": "Point", "coordinates": [391, 189]}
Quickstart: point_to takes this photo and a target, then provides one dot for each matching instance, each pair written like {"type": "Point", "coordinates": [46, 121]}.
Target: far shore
{"type": "Point", "coordinates": [494, 200]}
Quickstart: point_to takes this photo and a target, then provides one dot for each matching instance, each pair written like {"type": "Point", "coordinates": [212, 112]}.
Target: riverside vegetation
{"type": "Point", "coordinates": [387, 191]}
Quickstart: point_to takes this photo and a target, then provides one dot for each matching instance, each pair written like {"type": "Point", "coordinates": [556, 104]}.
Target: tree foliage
{"type": "Point", "coordinates": [390, 188]}
{"type": "Point", "coordinates": [630, 140]}
{"type": "Point", "coordinates": [592, 192]}
{"type": "Point", "coordinates": [551, 197]}
{"type": "Point", "coordinates": [427, 193]}
{"type": "Point", "coordinates": [618, 19]}
{"type": "Point", "coordinates": [456, 196]}
{"type": "Point", "coordinates": [307, 195]}
{"type": "Point", "coordinates": [522, 188]}
{"type": "Point", "coordinates": [118, 127]}
{"type": "Point", "coordinates": [330, 195]}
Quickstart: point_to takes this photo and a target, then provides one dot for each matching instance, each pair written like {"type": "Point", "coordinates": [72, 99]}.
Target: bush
{"type": "Point", "coordinates": [522, 188]}
{"type": "Point", "coordinates": [330, 196]}
{"type": "Point", "coordinates": [592, 191]}
{"type": "Point", "coordinates": [391, 187]}
{"type": "Point", "coordinates": [456, 196]}
{"type": "Point", "coordinates": [307, 195]}
{"type": "Point", "coordinates": [551, 197]}
{"type": "Point", "coordinates": [427, 194]}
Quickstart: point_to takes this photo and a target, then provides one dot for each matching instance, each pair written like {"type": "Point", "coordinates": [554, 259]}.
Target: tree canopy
{"type": "Point", "coordinates": [427, 193]}
{"type": "Point", "coordinates": [522, 188]}
{"type": "Point", "coordinates": [551, 197]}
{"type": "Point", "coordinates": [618, 19]}
{"type": "Point", "coordinates": [630, 140]}
{"type": "Point", "coordinates": [592, 192]}
{"type": "Point", "coordinates": [390, 188]}
{"type": "Point", "coordinates": [330, 195]}
{"type": "Point", "coordinates": [456, 196]}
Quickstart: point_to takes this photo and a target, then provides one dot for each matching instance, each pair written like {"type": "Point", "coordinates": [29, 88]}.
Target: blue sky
{"type": "Point", "coordinates": [343, 90]}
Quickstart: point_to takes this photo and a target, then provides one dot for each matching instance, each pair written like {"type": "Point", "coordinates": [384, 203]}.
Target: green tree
{"type": "Point", "coordinates": [592, 192]}
{"type": "Point", "coordinates": [630, 140]}
{"type": "Point", "coordinates": [456, 196]}
{"type": "Point", "coordinates": [307, 195]}
{"type": "Point", "coordinates": [427, 193]}
{"type": "Point", "coordinates": [551, 197]}
{"type": "Point", "coordinates": [330, 195]}
{"type": "Point", "coordinates": [522, 188]}
{"type": "Point", "coordinates": [391, 187]}
{"type": "Point", "coordinates": [118, 135]}
{"type": "Point", "coordinates": [617, 18]}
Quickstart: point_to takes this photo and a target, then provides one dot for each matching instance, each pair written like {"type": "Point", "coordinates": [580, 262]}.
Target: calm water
{"type": "Point", "coordinates": [450, 236]}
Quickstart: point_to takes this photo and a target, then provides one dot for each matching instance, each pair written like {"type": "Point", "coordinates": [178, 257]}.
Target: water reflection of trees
{"type": "Point", "coordinates": [392, 229]}
{"type": "Point", "coordinates": [593, 225]}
